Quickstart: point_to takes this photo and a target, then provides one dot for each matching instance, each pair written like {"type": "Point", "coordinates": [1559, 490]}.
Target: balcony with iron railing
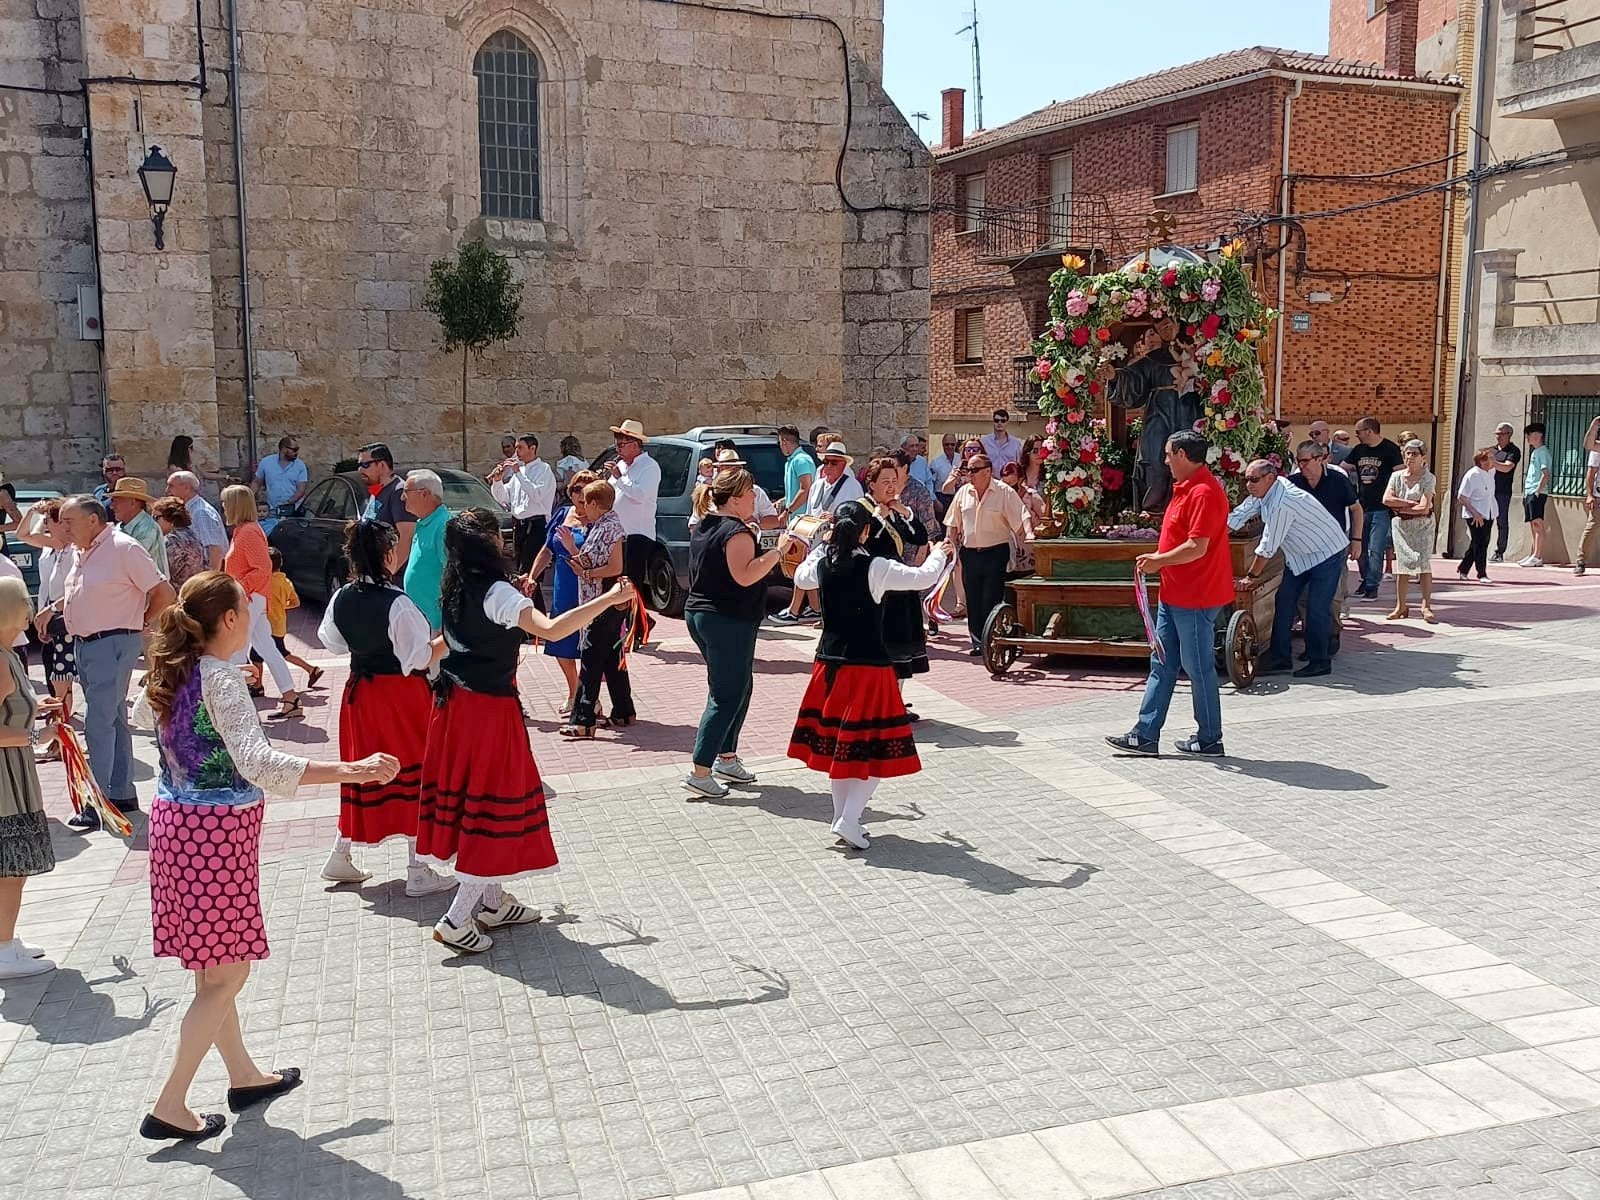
{"type": "Point", "coordinates": [1024, 384]}
{"type": "Point", "coordinates": [1549, 58]}
{"type": "Point", "coordinates": [1547, 321]}
{"type": "Point", "coordinates": [1045, 228]}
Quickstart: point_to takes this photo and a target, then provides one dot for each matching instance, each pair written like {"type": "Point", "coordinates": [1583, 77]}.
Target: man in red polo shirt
{"type": "Point", "coordinates": [1196, 582]}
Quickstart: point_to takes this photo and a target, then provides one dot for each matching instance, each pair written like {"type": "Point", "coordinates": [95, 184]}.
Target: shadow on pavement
{"type": "Point", "coordinates": [956, 858]}
{"type": "Point", "coordinates": [276, 1162]}
{"type": "Point", "coordinates": [72, 1013]}
{"type": "Point", "coordinates": [1300, 773]}
{"type": "Point", "coordinates": [796, 804]}
{"type": "Point", "coordinates": [932, 732]}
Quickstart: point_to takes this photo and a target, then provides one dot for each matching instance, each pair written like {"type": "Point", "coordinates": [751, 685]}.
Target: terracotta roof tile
{"type": "Point", "coordinates": [1216, 69]}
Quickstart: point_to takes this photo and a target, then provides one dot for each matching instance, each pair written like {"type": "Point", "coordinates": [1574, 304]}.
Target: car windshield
{"type": "Point", "coordinates": [463, 491]}
{"type": "Point", "coordinates": [766, 464]}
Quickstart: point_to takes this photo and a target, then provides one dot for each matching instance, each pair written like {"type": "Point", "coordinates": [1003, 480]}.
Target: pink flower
{"type": "Point", "coordinates": [1134, 308]}
{"type": "Point", "coordinates": [1077, 303]}
{"type": "Point", "coordinates": [1042, 367]}
{"type": "Point", "coordinates": [1210, 290]}
{"type": "Point", "coordinates": [1058, 331]}
{"type": "Point", "coordinates": [1050, 427]}
{"type": "Point", "coordinates": [1075, 417]}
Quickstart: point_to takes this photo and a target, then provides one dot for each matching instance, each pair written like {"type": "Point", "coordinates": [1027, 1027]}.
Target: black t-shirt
{"type": "Point", "coordinates": [390, 505]}
{"type": "Point", "coordinates": [1334, 492]}
{"type": "Point", "coordinates": [1372, 466]}
{"type": "Point", "coordinates": [1502, 479]}
{"type": "Point", "coordinates": [712, 587]}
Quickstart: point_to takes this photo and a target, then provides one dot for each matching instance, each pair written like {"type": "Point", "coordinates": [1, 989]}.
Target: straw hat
{"type": "Point", "coordinates": [630, 429]}
{"type": "Point", "coordinates": [837, 450]}
{"type": "Point", "coordinates": [730, 458]}
{"type": "Point", "coordinates": [132, 488]}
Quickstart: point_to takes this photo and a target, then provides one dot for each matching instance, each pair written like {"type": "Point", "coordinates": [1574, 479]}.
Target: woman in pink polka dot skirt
{"type": "Point", "coordinates": [205, 835]}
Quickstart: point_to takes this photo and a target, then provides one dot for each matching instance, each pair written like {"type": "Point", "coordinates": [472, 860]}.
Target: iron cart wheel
{"type": "Point", "coordinates": [1002, 625]}
{"type": "Point", "coordinates": [1239, 645]}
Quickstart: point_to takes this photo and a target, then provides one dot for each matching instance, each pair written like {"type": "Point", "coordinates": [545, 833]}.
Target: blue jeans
{"type": "Point", "coordinates": [1319, 584]}
{"type": "Point", "coordinates": [105, 668]}
{"type": "Point", "coordinates": [1377, 535]}
{"type": "Point", "coordinates": [1189, 638]}
{"type": "Point", "coordinates": [729, 646]}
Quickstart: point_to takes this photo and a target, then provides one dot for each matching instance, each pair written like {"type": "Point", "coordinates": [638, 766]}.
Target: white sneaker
{"type": "Point", "coordinates": [734, 769]}
{"type": "Point", "coordinates": [30, 949]}
{"type": "Point", "coordinates": [1531, 561]}
{"type": "Point", "coordinates": [340, 868]}
{"type": "Point", "coordinates": [705, 785]}
{"type": "Point", "coordinates": [853, 833]}
{"type": "Point", "coordinates": [469, 939]}
{"type": "Point", "coordinates": [510, 912]}
{"type": "Point", "coordinates": [18, 963]}
{"type": "Point", "coordinates": [422, 881]}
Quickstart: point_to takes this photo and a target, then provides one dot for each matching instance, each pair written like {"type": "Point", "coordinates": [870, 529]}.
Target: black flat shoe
{"type": "Point", "coordinates": [240, 1099]}
{"type": "Point", "coordinates": [1130, 746]}
{"type": "Point", "coordinates": [1312, 670]}
{"type": "Point", "coordinates": [158, 1130]}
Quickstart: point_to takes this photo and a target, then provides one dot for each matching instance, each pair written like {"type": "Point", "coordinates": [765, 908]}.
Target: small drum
{"type": "Point", "coordinates": [805, 532]}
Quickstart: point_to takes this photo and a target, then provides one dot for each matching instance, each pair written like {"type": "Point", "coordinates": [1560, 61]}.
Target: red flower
{"type": "Point", "coordinates": [1103, 334]}
{"type": "Point", "coordinates": [1080, 336]}
{"type": "Point", "coordinates": [1069, 399]}
{"type": "Point", "coordinates": [1081, 502]}
{"type": "Point", "coordinates": [1169, 277]}
{"type": "Point", "coordinates": [1094, 387]}
{"type": "Point", "coordinates": [1239, 337]}
{"type": "Point", "coordinates": [1111, 477]}
{"type": "Point", "coordinates": [1209, 327]}
{"type": "Point", "coordinates": [1188, 331]}
{"type": "Point", "coordinates": [1222, 399]}
{"type": "Point", "coordinates": [1227, 372]}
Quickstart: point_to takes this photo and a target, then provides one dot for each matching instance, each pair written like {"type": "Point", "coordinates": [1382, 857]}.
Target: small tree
{"type": "Point", "coordinates": [476, 301]}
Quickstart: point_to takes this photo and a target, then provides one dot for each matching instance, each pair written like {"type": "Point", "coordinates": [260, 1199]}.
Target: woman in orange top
{"type": "Point", "coordinates": [249, 560]}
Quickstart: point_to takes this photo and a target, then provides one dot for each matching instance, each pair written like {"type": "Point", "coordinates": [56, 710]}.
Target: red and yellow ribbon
{"type": "Point", "coordinates": [82, 789]}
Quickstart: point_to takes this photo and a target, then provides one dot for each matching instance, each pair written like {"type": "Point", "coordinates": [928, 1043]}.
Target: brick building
{"type": "Point", "coordinates": [1225, 145]}
{"type": "Point", "coordinates": [662, 174]}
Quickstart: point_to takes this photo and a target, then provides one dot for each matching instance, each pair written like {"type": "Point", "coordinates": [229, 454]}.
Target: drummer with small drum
{"type": "Point", "coordinates": [833, 486]}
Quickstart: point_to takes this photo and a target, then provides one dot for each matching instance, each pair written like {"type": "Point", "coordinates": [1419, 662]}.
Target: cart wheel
{"type": "Point", "coordinates": [998, 654]}
{"type": "Point", "coordinates": [1240, 645]}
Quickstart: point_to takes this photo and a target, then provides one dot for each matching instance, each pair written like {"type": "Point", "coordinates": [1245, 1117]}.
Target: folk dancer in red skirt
{"type": "Point", "coordinates": [852, 723]}
{"type": "Point", "coordinates": [386, 704]}
{"type": "Point", "coordinates": [481, 803]}
{"type": "Point", "coordinates": [205, 838]}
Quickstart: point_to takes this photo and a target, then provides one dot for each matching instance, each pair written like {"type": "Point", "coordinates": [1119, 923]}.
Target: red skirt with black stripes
{"type": "Point", "coordinates": [854, 725]}
{"type": "Point", "coordinates": [383, 714]}
{"type": "Point", "coordinates": [481, 805]}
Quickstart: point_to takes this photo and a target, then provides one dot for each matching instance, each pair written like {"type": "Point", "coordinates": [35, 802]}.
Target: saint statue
{"type": "Point", "coordinates": [1156, 381]}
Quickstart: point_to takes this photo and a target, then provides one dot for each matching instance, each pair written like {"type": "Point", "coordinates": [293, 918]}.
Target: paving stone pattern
{"type": "Point", "coordinates": [721, 999]}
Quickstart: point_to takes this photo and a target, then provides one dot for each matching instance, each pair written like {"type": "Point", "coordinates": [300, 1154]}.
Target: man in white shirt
{"type": "Point", "coordinates": [637, 479]}
{"type": "Point", "coordinates": [833, 485]}
{"type": "Point", "coordinates": [942, 467]}
{"type": "Point", "coordinates": [1000, 446]}
{"type": "Point", "coordinates": [203, 519]}
{"type": "Point", "coordinates": [526, 485]}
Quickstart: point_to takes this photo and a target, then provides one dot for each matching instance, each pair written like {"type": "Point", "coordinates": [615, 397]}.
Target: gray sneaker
{"type": "Point", "coordinates": [734, 769]}
{"type": "Point", "coordinates": [1577, 568]}
{"type": "Point", "coordinates": [705, 785]}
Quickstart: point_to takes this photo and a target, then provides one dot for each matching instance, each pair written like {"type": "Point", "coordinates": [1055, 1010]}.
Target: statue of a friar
{"type": "Point", "coordinates": [1156, 382]}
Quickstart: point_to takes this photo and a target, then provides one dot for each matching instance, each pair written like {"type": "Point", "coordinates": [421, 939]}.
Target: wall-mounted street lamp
{"type": "Point", "coordinates": [156, 175]}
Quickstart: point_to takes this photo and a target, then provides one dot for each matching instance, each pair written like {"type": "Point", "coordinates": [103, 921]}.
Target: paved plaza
{"type": "Point", "coordinates": [1357, 958]}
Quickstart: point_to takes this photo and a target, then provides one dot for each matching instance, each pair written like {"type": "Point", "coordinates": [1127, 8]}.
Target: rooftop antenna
{"type": "Point", "coordinates": [977, 68]}
{"type": "Point", "coordinates": [919, 118]}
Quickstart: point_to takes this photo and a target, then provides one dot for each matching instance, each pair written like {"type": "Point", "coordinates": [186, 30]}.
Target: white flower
{"type": "Point", "coordinates": [1213, 456]}
{"type": "Point", "coordinates": [1114, 351]}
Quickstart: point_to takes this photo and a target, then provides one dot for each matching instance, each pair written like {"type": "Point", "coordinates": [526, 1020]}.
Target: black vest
{"type": "Point", "coordinates": [361, 615]}
{"type": "Point", "coordinates": [852, 622]}
{"type": "Point", "coordinates": [482, 654]}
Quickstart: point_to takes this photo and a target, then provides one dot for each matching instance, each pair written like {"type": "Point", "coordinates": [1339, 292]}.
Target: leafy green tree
{"type": "Point", "coordinates": [477, 303]}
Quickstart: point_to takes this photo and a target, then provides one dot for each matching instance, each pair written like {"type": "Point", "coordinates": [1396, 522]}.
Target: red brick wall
{"type": "Point", "coordinates": [1120, 159]}
{"type": "Point", "coordinates": [1352, 35]}
{"type": "Point", "coordinates": [1372, 349]}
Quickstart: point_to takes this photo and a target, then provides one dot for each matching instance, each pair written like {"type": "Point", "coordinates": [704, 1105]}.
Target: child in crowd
{"type": "Point", "coordinates": [281, 597]}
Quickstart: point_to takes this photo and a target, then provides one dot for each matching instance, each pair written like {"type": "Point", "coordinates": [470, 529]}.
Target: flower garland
{"type": "Point", "coordinates": [1210, 318]}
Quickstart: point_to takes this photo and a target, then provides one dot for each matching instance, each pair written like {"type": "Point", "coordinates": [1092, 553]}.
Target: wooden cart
{"type": "Point", "coordinates": [1081, 603]}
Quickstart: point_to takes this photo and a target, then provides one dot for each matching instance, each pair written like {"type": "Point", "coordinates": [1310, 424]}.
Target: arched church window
{"type": "Point", "coordinates": [507, 71]}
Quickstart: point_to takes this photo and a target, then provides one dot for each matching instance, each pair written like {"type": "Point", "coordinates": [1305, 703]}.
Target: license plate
{"type": "Point", "coordinates": [769, 539]}
{"type": "Point", "coordinates": [22, 560]}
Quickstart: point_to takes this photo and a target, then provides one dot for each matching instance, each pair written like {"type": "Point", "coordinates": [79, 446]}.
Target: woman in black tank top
{"type": "Point", "coordinates": [727, 599]}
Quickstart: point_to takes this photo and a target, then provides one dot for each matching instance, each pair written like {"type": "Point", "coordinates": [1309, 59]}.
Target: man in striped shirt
{"type": "Point", "coordinates": [1314, 549]}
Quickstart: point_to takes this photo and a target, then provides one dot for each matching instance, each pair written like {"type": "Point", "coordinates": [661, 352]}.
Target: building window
{"type": "Point", "coordinates": [1374, 7]}
{"type": "Point", "coordinates": [507, 71]}
{"type": "Point", "coordinates": [1061, 199]}
{"type": "Point", "coordinates": [970, 191]}
{"type": "Point", "coordinates": [969, 335]}
{"type": "Point", "coordinates": [1183, 157]}
{"type": "Point", "coordinates": [1566, 419]}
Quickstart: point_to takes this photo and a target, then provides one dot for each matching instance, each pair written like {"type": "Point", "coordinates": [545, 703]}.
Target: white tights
{"type": "Point", "coordinates": [342, 845]}
{"type": "Point", "coordinates": [850, 798]}
{"type": "Point", "coordinates": [469, 898]}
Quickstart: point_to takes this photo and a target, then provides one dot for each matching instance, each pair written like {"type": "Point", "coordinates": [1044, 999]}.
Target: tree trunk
{"type": "Point", "coordinates": [465, 359]}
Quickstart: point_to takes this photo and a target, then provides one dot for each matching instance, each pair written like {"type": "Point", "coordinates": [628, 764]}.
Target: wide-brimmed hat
{"type": "Point", "coordinates": [133, 488]}
{"type": "Point", "coordinates": [730, 458]}
{"type": "Point", "coordinates": [630, 429]}
{"type": "Point", "coordinates": [837, 450]}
